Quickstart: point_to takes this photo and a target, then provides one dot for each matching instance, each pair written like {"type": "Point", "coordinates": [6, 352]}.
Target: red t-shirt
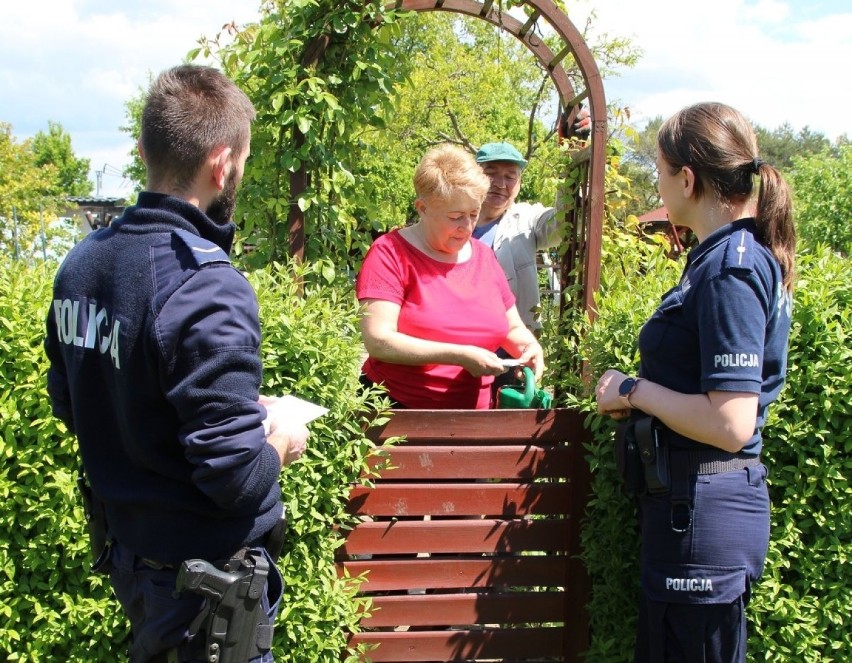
{"type": "Point", "coordinates": [463, 303]}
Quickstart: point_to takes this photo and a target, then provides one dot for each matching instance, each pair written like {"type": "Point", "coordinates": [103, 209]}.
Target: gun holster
{"type": "Point", "coordinates": [654, 454]}
{"type": "Point", "coordinates": [234, 627]}
{"type": "Point", "coordinates": [100, 542]}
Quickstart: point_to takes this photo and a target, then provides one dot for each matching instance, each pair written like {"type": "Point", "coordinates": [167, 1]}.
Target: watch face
{"type": "Point", "coordinates": [626, 387]}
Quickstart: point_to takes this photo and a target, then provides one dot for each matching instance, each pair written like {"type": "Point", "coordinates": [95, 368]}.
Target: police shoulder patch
{"type": "Point", "coordinates": [202, 251]}
{"type": "Point", "coordinates": [739, 254]}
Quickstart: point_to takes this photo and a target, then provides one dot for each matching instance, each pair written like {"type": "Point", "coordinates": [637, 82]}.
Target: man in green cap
{"type": "Point", "coordinates": [515, 231]}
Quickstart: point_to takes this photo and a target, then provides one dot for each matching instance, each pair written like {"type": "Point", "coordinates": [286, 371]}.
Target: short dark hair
{"type": "Point", "coordinates": [189, 111]}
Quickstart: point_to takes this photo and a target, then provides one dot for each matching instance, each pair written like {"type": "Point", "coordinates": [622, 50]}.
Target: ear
{"type": "Point", "coordinates": [420, 206]}
{"type": "Point", "coordinates": [688, 176]}
{"type": "Point", "coordinates": [140, 150]}
{"type": "Point", "coordinates": [220, 165]}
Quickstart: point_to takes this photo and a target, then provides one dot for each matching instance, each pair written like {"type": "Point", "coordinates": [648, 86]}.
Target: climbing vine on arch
{"type": "Point", "coordinates": [319, 75]}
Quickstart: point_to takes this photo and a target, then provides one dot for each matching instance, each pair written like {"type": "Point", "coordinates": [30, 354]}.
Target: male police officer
{"type": "Point", "coordinates": [153, 340]}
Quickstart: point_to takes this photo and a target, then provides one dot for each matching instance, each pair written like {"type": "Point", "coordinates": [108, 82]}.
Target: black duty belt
{"type": "Point", "coordinates": [668, 469]}
{"type": "Point", "coordinates": [716, 462]}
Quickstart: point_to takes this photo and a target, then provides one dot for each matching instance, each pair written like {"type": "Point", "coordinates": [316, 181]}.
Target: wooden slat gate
{"type": "Point", "coordinates": [469, 540]}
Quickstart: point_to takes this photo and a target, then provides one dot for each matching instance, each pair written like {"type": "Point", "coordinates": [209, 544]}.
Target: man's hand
{"type": "Point", "coordinates": [582, 125]}
{"type": "Point", "coordinates": [289, 440]}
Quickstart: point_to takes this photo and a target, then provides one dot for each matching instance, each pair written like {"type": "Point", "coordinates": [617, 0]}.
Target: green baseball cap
{"type": "Point", "coordinates": [500, 152]}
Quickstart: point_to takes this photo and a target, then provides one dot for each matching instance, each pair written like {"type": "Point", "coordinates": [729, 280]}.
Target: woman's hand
{"type": "Point", "coordinates": [521, 342]}
{"type": "Point", "coordinates": [479, 361]}
{"type": "Point", "coordinates": [533, 356]}
{"type": "Point", "coordinates": [607, 396]}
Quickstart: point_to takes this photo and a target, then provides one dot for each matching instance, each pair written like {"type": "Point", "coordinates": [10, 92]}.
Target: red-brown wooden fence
{"type": "Point", "coordinates": [469, 541]}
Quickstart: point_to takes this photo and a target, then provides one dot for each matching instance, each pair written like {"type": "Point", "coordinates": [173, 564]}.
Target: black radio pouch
{"type": "Point", "coordinates": [654, 454]}
{"type": "Point", "coordinates": [627, 459]}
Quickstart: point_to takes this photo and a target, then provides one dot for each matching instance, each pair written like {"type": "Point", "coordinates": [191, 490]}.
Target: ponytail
{"type": "Point", "coordinates": [775, 219]}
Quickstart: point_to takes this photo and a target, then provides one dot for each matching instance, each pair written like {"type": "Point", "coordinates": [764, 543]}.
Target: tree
{"type": "Point", "coordinates": [466, 82]}
{"type": "Point", "coordinates": [31, 196]}
{"type": "Point", "coordinates": [639, 166]}
{"type": "Point", "coordinates": [317, 74]}
{"type": "Point", "coordinates": [54, 148]}
{"type": "Point", "coordinates": [782, 145]}
{"type": "Point", "coordinates": [136, 171]}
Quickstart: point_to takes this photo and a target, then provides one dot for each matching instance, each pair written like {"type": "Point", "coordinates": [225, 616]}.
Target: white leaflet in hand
{"type": "Point", "coordinates": [289, 409]}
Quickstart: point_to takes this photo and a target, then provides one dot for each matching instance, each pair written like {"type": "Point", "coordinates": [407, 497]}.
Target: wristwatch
{"type": "Point", "coordinates": [627, 387]}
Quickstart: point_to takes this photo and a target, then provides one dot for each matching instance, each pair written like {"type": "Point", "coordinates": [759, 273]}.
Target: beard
{"type": "Point", "coordinates": [221, 208]}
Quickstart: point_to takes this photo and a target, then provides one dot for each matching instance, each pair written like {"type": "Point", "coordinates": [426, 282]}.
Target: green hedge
{"type": "Point", "coordinates": [51, 609]}
{"type": "Point", "coordinates": [801, 605]}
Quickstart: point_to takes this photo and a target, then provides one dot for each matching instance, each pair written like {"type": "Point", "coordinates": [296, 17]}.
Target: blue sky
{"type": "Point", "coordinates": [76, 62]}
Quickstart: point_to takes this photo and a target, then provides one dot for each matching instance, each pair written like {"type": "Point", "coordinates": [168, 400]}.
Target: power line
{"type": "Point", "coordinates": [112, 171]}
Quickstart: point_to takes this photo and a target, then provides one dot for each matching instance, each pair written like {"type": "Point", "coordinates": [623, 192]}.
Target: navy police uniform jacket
{"type": "Point", "coordinates": [724, 327]}
{"type": "Point", "coordinates": [153, 339]}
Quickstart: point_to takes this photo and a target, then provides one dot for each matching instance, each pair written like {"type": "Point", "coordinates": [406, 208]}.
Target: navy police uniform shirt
{"type": "Point", "coordinates": [153, 339]}
{"type": "Point", "coordinates": [724, 326]}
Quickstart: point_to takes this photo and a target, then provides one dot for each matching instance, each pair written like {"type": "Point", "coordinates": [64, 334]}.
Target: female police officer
{"type": "Point", "coordinates": [713, 357]}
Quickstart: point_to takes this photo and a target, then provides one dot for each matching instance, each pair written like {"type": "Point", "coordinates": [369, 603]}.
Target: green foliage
{"type": "Point", "coordinates": [317, 74]}
{"type": "Point", "coordinates": [355, 94]}
{"type": "Point", "coordinates": [822, 194]}
{"type": "Point", "coordinates": [135, 171]}
{"type": "Point", "coordinates": [801, 605]}
{"type": "Point", "coordinates": [51, 609]}
{"type": "Point", "coordinates": [782, 147]}
{"type": "Point", "coordinates": [31, 193]}
{"type": "Point", "coordinates": [311, 347]}
{"type": "Point", "coordinates": [465, 82]}
{"type": "Point", "coordinates": [639, 166]}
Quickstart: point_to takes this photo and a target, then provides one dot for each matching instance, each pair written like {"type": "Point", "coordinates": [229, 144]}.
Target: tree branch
{"type": "Point", "coordinates": [531, 147]}
{"type": "Point", "coordinates": [461, 139]}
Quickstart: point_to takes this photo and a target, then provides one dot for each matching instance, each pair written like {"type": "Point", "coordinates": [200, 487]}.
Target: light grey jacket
{"type": "Point", "coordinates": [524, 230]}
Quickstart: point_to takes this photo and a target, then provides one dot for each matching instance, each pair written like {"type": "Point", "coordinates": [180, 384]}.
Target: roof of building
{"type": "Point", "coordinates": [92, 201]}
{"type": "Point", "coordinates": [659, 214]}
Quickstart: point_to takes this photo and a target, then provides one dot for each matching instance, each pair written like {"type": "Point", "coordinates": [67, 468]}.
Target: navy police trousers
{"type": "Point", "coordinates": [696, 579]}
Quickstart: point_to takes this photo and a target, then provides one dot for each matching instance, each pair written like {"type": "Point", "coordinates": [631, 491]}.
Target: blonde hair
{"type": "Point", "coordinates": [720, 146]}
{"type": "Point", "coordinates": [447, 168]}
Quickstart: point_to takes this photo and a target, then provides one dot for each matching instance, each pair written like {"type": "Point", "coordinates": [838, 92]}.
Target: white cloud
{"type": "Point", "coordinates": [774, 64]}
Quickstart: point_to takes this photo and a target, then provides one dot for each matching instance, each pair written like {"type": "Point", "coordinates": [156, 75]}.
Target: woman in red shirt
{"type": "Point", "coordinates": [437, 303]}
